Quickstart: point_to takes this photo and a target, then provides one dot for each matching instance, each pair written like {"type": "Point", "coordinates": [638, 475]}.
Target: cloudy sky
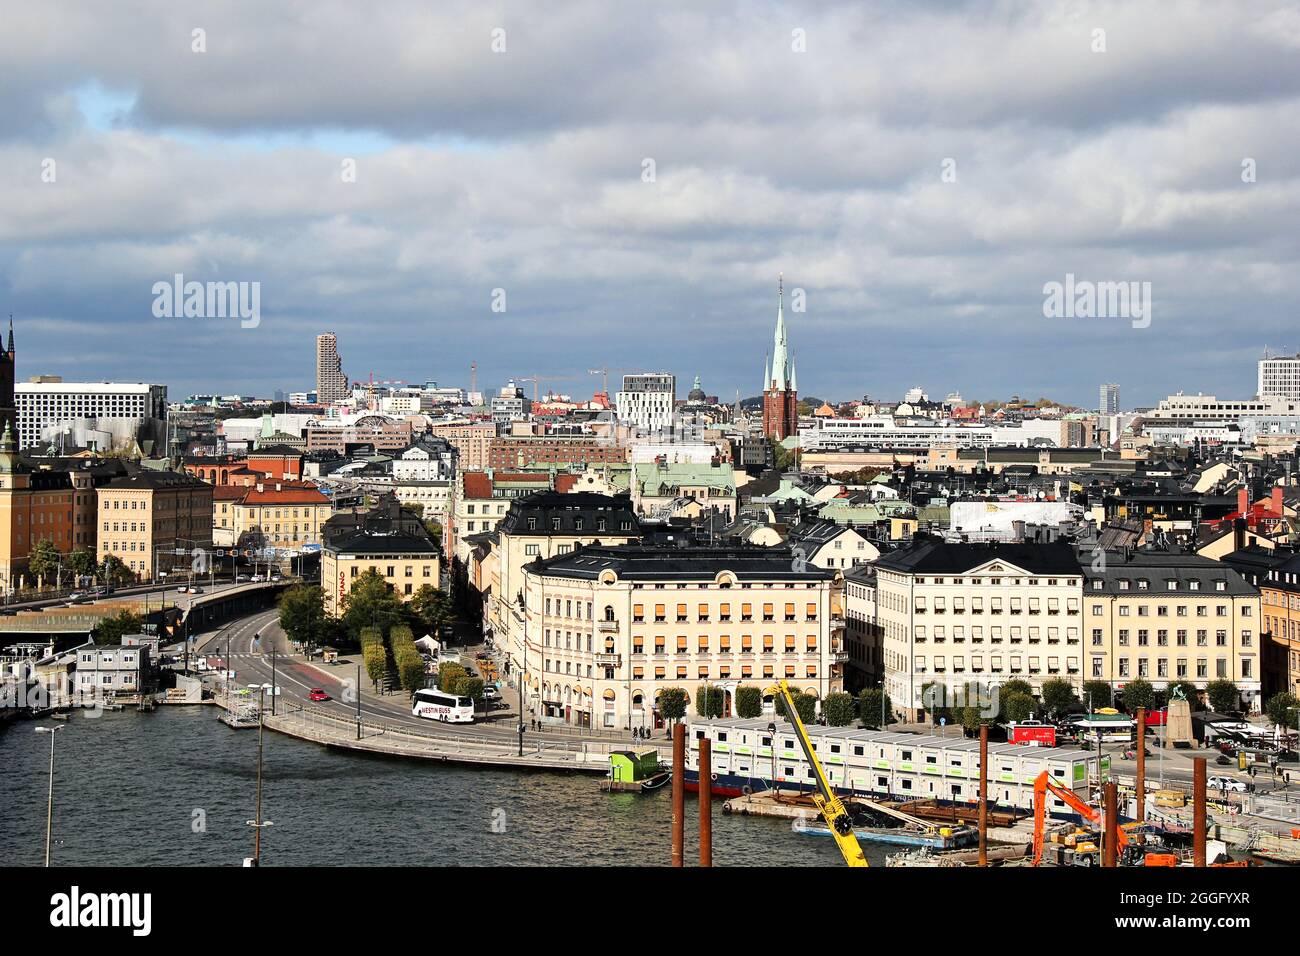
{"type": "Point", "coordinates": [634, 177]}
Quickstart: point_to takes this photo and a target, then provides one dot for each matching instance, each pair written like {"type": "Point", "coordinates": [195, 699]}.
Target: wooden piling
{"type": "Point", "coordinates": [1141, 765]}
{"type": "Point", "coordinates": [1110, 839]}
{"type": "Point", "coordinates": [706, 803]}
{"type": "Point", "coordinates": [984, 794]}
{"type": "Point", "coordinates": [1198, 811]}
{"type": "Point", "coordinates": [679, 793]}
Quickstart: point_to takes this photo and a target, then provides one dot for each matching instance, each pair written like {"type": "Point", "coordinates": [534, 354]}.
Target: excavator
{"type": "Point", "coordinates": [831, 807]}
{"type": "Point", "coordinates": [1131, 852]}
{"type": "Point", "coordinates": [1085, 853]}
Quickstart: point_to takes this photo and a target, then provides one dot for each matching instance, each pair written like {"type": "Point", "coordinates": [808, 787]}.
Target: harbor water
{"type": "Point", "coordinates": [177, 787]}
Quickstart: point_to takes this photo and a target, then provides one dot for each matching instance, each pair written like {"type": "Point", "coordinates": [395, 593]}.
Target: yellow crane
{"type": "Point", "coordinates": [831, 807]}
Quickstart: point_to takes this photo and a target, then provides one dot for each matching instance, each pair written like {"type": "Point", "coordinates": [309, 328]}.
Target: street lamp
{"type": "Point", "coordinates": [257, 822]}
{"type": "Point", "coordinates": [49, 805]}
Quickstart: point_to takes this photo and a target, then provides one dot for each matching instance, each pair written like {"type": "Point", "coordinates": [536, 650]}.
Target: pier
{"type": "Point", "coordinates": [332, 730]}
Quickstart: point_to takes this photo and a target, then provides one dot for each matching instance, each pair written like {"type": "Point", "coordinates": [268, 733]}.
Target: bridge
{"type": "Point", "coordinates": [184, 613]}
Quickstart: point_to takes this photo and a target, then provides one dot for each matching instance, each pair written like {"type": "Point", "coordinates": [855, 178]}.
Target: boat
{"type": "Point", "coordinates": [60, 716]}
{"type": "Point", "coordinates": [938, 838]}
{"type": "Point", "coordinates": [632, 772]}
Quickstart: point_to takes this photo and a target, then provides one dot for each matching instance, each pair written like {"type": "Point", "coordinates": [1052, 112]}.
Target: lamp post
{"type": "Point", "coordinates": [49, 805]}
{"type": "Point", "coordinates": [257, 822]}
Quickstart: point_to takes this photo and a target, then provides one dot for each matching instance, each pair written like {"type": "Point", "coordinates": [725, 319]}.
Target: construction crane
{"type": "Point", "coordinates": [537, 382]}
{"type": "Point", "coordinates": [832, 808]}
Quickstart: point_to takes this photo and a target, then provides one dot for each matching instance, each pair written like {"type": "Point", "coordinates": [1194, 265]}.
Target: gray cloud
{"type": "Point", "coordinates": [523, 170]}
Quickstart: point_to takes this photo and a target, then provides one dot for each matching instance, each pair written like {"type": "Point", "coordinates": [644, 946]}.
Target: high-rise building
{"type": "Point", "coordinates": [780, 386]}
{"type": "Point", "coordinates": [99, 415]}
{"type": "Point", "coordinates": [331, 383]}
{"type": "Point", "coordinates": [1109, 399]}
{"type": "Point", "coordinates": [1278, 375]}
{"type": "Point", "coordinates": [646, 400]}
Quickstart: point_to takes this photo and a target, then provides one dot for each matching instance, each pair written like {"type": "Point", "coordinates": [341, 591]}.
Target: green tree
{"type": "Point", "coordinates": [43, 562]}
{"type": "Point", "coordinates": [1058, 696]}
{"type": "Point", "coordinates": [371, 602]}
{"type": "Point", "coordinates": [448, 673]}
{"type": "Point", "coordinates": [82, 562]}
{"type": "Point", "coordinates": [1281, 709]}
{"type": "Point", "coordinates": [302, 614]}
{"type": "Point", "coordinates": [1138, 693]}
{"type": "Point", "coordinates": [873, 706]}
{"type": "Point", "coordinates": [1017, 706]}
{"type": "Point", "coordinates": [1098, 692]}
{"type": "Point", "coordinates": [749, 701]}
{"type": "Point", "coordinates": [970, 718]}
{"type": "Point", "coordinates": [709, 700]}
{"type": "Point", "coordinates": [1018, 688]}
{"type": "Point", "coordinates": [934, 697]}
{"type": "Point", "coordinates": [672, 703]}
{"type": "Point", "coordinates": [1223, 695]}
{"type": "Point", "coordinates": [110, 630]}
{"type": "Point", "coordinates": [839, 709]}
{"type": "Point", "coordinates": [804, 704]}
{"type": "Point", "coordinates": [432, 608]}
{"type": "Point", "coordinates": [114, 573]}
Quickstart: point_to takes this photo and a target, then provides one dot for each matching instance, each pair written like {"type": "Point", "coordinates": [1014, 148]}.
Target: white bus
{"type": "Point", "coordinates": [435, 705]}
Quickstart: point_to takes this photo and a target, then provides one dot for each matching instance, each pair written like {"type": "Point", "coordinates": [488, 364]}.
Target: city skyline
{"type": "Point", "coordinates": [921, 195]}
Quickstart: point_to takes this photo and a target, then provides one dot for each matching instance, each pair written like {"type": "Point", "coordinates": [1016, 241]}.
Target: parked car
{"type": "Point", "coordinates": [1228, 784]}
{"type": "Point", "coordinates": [317, 694]}
{"type": "Point", "coordinates": [183, 589]}
{"type": "Point", "coordinates": [240, 578]}
{"type": "Point", "coordinates": [491, 693]}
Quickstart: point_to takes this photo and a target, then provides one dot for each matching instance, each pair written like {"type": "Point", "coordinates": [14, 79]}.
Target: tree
{"type": "Point", "coordinates": [448, 673]}
{"type": "Point", "coordinates": [839, 709]}
{"type": "Point", "coordinates": [82, 562]}
{"type": "Point", "coordinates": [114, 573]}
{"type": "Point", "coordinates": [466, 686]}
{"type": "Point", "coordinates": [1223, 695]}
{"type": "Point", "coordinates": [302, 613]}
{"type": "Point", "coordinates": [672, 703]}
{"type": "Point", "coordinates": [432, 608]}
{"type": "Point", "coordinates": [804, 704]}
{"type": "Point", "coordinates": [1017, 706]}
{"type": "Point", "coordinates": [1097, 693]}
{"type": "Point", "coordinates": [875, 708]}
{"type": "Point", "coordinates": [709, 701]}
{"type": "Point", "coordinates": [1058, 695]}
{"type": "Point", "coordinates": [1281, 709]}
{"type": "Point", "coordinates": [934, 697]}
{"type": "Point", "coordinates": [1138, 693]}
{"type": "Point", "coordinates": [1016, 687]}
{"type": "Point", "coordinates": [371, 602]}
{"type": "Point", "coordinates": [970, 718]}
{"type": "Point", "coordinates": [110, 630]}
{"type": "Point", "coordinates": [43, 562]}
{"type": "Point", "coordinates": [749, 701]}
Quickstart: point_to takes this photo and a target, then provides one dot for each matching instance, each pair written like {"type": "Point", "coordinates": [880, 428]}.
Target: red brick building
{"type": "Point", "coordinates": [780, 386]}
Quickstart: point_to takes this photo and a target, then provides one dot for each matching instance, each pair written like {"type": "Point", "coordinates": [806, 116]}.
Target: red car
{"type": "Point", "coordinates": [317, 694]}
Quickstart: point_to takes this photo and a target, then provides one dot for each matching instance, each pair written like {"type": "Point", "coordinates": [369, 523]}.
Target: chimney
{"type": "Point", "coordinates": [277, 486]}
{"type": "Point", "coordinates": [1243, 500]}
{"type": "Point", "coordinates": [1277, 499]}
{"type": "Point", "coordinates": [260, 487]}
{"type": "Point", "coordinates": [1239, 534]}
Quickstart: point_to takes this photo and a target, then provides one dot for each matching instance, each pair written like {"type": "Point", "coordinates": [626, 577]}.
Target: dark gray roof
{"type": "Point", "coordinates": [570, 513]}
{"type": "Point", "coordinates": [363, 542]}
{"type": "Point", "coordinates": [639, 562]}
{"type": "Point", "coordinates": [941, 557]}
{"type": "Point", "coordinates": [1135, 573]}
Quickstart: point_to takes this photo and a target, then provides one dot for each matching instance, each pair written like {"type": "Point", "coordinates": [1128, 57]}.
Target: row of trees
{"type": "Point", "coordinates": [410, 665]}
{"type": "Point", "coordinates": [371, 603]}
{"type": "Point", "coordinates": [45, 562]}
{"type": "Point", "coordinates": [838, 709]}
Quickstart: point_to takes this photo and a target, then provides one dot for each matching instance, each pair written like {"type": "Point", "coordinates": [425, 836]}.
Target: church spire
{"type": "Point", "coordinates": [10, 350]}
{"type": "Point", "coordinates": [780, 377]}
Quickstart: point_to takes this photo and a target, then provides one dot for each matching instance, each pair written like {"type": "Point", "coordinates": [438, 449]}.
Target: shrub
{"type": "Point", "coordinates": [749, 701]}
{"type": "Point", "coordinates": [839, 709]}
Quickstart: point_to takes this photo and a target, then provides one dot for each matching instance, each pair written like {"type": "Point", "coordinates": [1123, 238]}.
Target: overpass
{"type": "Point", "coordinates": [179, 613]}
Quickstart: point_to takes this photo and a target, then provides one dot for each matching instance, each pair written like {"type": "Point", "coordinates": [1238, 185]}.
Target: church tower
{"type": "Point", "coordinates": [780, 386]}
{"type": "Point", "coordinates": [8, 375]}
